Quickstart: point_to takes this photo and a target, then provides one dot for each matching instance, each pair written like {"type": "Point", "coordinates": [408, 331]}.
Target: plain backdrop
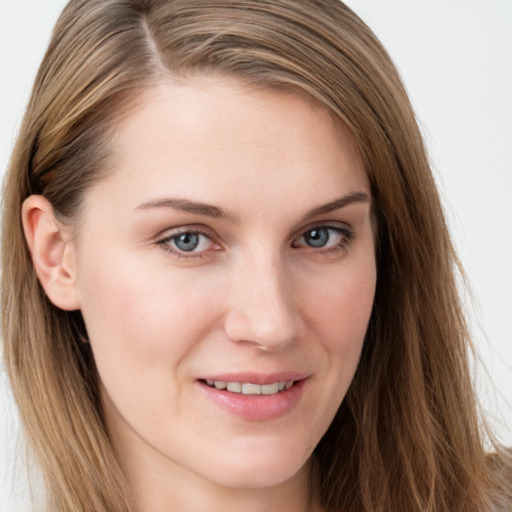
{"type": "Point", "coordinates": [455, 57]}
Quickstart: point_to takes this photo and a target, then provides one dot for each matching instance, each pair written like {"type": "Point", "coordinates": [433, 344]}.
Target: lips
{"type": "Point", "coordinates": [255, 397]}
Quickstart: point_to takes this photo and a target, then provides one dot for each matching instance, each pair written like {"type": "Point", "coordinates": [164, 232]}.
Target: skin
{"type": "Point", "coordinates": [255, 295]}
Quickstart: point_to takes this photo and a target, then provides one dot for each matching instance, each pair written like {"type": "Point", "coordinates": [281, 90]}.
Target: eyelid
{"type": "Point", "coordinates": [346, 232]}
{"type": "Point", "coordinates": [164, 239]}
{"type": "Point", "coordinates": [169, 232]}
{"type": "Point", "coordinates": [326, 224]}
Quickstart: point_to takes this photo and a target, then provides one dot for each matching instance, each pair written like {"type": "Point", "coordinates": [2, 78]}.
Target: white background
{"type": "Point", "coordinates": [456, 59]}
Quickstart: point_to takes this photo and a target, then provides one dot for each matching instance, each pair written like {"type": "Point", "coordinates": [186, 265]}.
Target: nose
{"type": "Point", "coordinates": [263, 310]}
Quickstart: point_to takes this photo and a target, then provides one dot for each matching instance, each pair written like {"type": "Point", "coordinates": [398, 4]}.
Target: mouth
{"type": "Point", "coordinates": [250, 388]}
{"type": "Point", "coordinates": [255, 397]}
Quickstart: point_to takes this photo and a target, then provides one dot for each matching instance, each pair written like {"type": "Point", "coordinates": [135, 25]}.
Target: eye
{"type": "Point", "coordinates": [324, 237]}
{"type": "Point", "coordinates": [318, 237]}
{"type": "Point", "coordinates": [188, 243]}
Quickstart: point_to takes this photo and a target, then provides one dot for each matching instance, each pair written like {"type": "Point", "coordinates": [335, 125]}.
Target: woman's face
{"type": "Point", "coordinates": [226, 275]}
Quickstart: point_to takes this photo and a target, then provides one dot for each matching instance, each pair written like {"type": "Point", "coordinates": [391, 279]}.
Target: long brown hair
{"type": "Point", "coordinates": [408, 435]}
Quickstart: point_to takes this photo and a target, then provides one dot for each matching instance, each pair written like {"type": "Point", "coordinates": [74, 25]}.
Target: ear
{"type": "Point", "coordinates": [52, 252]}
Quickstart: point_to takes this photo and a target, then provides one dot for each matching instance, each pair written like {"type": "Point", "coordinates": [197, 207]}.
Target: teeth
{"type": "Point", "coordinates": [234, 387]}
{"type": "Point", "coordinates": [270, 389]}
{"type": "Point", "coordinates": [251, 389]}
{"type": "Point", "coordinates": [248, 388]}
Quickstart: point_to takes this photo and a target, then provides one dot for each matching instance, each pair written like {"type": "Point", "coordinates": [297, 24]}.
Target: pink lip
{"type": "Point", "coordinates": [256, 378]}
{"type": "Point", "coordinates": [256, 407]}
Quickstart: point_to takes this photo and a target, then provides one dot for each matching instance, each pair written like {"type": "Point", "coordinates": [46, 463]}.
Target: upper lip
{"type": "Point", "coordinates": [257, 378]}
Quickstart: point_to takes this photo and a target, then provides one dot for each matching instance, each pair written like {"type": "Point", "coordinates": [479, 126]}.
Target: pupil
{"type": "Point", "coordinates": [317, 237]}
{"type": "Point", "coordinates": [187, 241]}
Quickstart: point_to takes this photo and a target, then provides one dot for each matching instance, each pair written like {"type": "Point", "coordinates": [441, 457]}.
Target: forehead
{"type": "Point", "coordinates": [219, 137]}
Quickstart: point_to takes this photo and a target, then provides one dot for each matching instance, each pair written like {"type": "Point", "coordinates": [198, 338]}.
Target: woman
{"type": "Point", "coordinates": [232, 286]}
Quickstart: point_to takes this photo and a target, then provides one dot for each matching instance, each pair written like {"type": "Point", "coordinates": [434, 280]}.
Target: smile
{"type": "Point", "coordinates": [248, 388]}
{"type": "Point", "coordinates": [256, 397]}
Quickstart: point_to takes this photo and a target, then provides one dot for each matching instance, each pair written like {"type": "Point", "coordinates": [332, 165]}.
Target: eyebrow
{"type": "Point", "coordinates": [353, 197]}
{"type": "Point", "coordinates": [215, 212]}
{"type": "Point", "coordinates": [186, 205]}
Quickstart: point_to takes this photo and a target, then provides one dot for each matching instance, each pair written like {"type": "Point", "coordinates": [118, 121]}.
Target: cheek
{"type": "Point", "coordinates": [339, 312]}
{"type": "Point", "coordinates": [143, 326]}
{"type": "Point", "coordinates": [341, 304]}
{"type": "Point", "coordinates": [138, 317]}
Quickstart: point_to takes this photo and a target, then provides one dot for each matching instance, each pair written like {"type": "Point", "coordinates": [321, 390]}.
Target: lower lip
{"type": "Point", "coordinates": [256, 407]}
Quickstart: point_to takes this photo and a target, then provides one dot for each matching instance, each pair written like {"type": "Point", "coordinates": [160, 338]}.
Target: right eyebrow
{"type": "Point", "coordinates": [337, 204]}
{"type": "Point", "coordinates": [189, 206]}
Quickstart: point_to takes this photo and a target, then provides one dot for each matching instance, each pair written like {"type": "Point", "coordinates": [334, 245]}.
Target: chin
{"type": "Point", "coordinates": [257, 478]}
{"type": "Point", "coordinates": [256, 469]}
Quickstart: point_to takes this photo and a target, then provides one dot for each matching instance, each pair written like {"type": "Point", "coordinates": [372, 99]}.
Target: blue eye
{"type": "Point", "coordinates": [318, 237]}
{"type": "Point", "coordinates": [324, 237]}
{"type": "Point", "coordinates": [186, 241]}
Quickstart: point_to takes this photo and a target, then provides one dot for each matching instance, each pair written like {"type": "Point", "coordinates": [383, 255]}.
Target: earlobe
{"type": "Point", "coordinates": [52, 252]}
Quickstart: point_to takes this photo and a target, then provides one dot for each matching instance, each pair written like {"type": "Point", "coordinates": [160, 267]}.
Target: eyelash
{"type": "Point", "coordinates": [347, 237]}
{"type": "Point", "coordinates": [165, 243]}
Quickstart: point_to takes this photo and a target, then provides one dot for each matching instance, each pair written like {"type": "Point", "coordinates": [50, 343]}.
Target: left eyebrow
{"type": "Point", "coordinates": [353, 197]}
{"type": "Point", "coordinates": [186, 205]}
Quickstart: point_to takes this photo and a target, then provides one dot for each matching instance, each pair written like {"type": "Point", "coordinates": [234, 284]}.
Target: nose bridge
{"type": "Point", "coordinates": [263, 310]}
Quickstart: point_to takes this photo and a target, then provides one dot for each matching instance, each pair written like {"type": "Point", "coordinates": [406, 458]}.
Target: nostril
{"type": "Point", "coordinates": [268, 334]}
